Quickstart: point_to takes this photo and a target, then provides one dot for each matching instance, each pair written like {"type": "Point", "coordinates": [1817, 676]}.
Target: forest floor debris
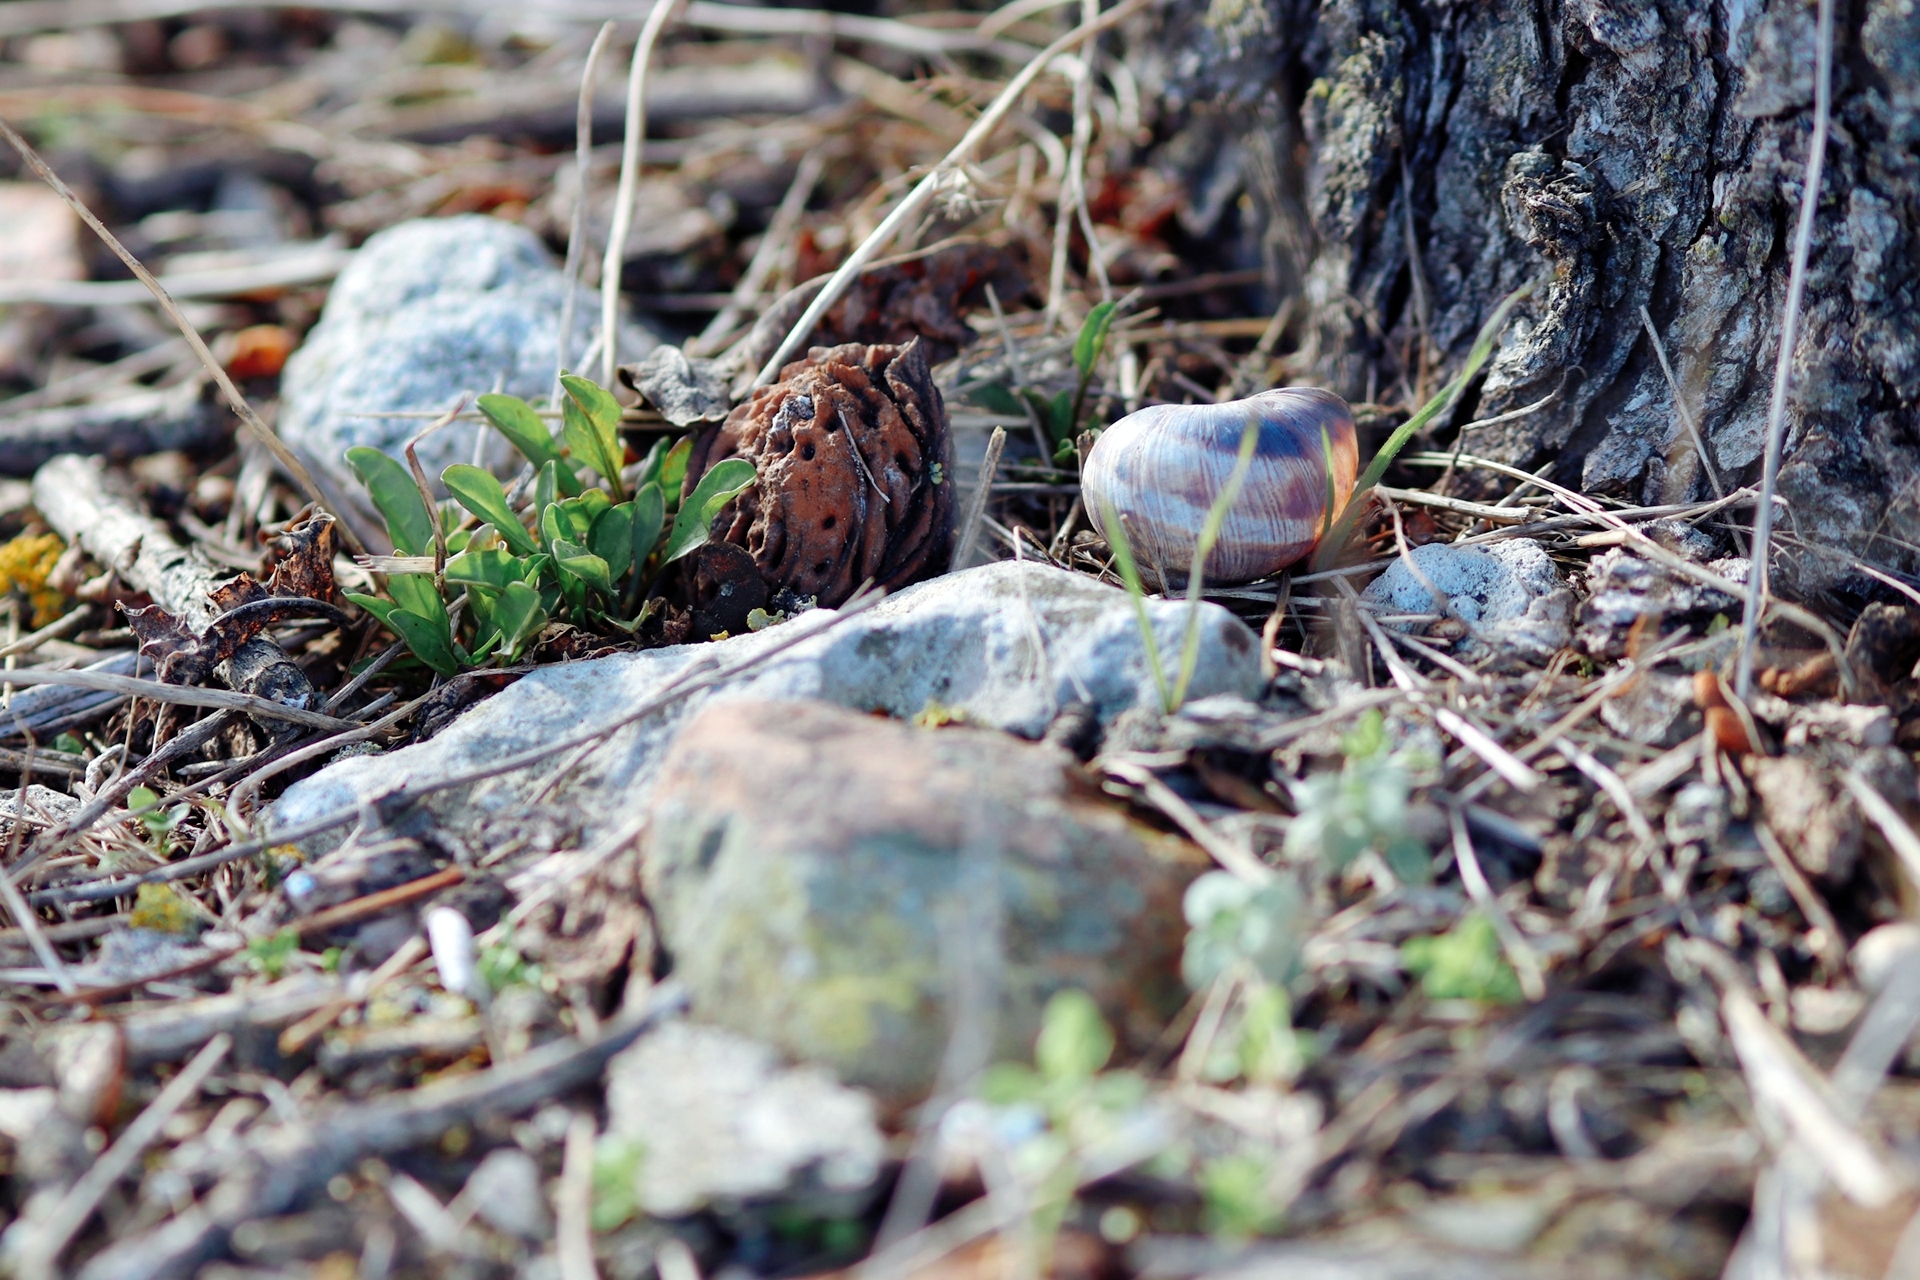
{"type": "Point", "coordinates": [1499, 947]}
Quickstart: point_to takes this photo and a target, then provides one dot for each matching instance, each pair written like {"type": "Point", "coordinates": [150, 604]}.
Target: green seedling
{"type": "Point", "coordinates": [1465, 963]}
{"type": "Point", "coordinates": [1361, 807]}
{"type": "Point", "coordinates": [563, 548]}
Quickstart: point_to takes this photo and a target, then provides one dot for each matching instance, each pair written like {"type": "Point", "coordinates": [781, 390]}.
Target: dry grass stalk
{"type": "Point", "coordinates": [1757, 580]}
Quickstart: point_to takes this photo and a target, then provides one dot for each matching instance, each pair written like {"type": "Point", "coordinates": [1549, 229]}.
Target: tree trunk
{"type": "Point", "coordinates": [1419, 159]}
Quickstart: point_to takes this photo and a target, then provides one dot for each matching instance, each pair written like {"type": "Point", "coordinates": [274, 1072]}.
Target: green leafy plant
{"type": "Point", "coordinates": [269, 955]}
{"type": "Point", "coordinates": [1061, 414]}
{"type": "Point", "coordinates": [1236, 1193]}
{"type": "Point", "coordinates": [1232, 923]}
{"type": "Point", "coordinates": [616, 1178]}
{"type": "Point", "coordinates": [1361, 807]}
{"type": "Point", "coordinates": [506, 563]}
{"type": "Point", "coordinates": [500, 965]}
{"type": "Point", "coordinates": [1243, 945]}
{"type": "Point", "coordinates": [1465, 963]}
{"type": "Point", "coordinates": [143, 803]}
{"type": "Point", "coordinates": [1067, 1104]}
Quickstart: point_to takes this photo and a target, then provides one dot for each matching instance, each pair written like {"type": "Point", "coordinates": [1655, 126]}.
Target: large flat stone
{"type": "Point", "coordinates": [1004, 646]}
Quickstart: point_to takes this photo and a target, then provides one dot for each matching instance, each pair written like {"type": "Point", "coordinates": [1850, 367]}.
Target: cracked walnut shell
{"type": "Point", "coordinates": [854, 472]}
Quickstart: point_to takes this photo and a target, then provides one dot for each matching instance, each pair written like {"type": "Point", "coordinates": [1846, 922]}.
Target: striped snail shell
{"type": "Point", "coordinates": [1162, 469]}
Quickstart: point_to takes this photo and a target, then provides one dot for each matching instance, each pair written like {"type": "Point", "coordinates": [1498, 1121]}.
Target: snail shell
{"type": "Point", "coordinates": [1162, 469]}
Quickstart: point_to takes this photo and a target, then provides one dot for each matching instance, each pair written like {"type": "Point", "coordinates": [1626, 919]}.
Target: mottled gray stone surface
{"type": "Point", "coordinates": [1004, 645]}
{"type": "Point", "coordinates": [427, 310]}
{"type": "Point", "coordinates": [712, 1118]}
{"type": "Point", "coordinates": [1507, 592]}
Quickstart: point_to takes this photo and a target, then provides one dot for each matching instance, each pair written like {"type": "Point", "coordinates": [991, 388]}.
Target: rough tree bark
{"type": "Point", "coordinates": [1418, 159]}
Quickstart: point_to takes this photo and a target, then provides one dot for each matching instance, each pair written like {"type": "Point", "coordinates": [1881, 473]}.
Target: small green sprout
{"type": "Point", "coordinates": [1360, 808]}
{"type": "Point", "coordinates": [566, 549]}
{"type": "Point", "coordinates": [1465, 963]}
{"type": "Point", "coordinates": [269, 955]}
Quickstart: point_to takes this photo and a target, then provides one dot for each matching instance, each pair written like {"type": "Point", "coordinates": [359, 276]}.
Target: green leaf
{"type": "Point", "coordinates": [1075, 1041]}
{"type": "Point", "coordinates": [590, 421]}
{"type": "Point", "coordinates": [416, 592]}
{"type": "Point", "coordinates": [586, 508]}
{"type": "Point", "coordinates": [480, 493]}
{"type": "Point", "coordinates": [673, 469]}
{"type": "Point", "coordinates": [1335, 542]}
{"type": "Point", "coordinates": [1093, 338]}
{"type": "Point", "coordinates": [495, 568]}
{"type": "Point", "coordinates": [582, 564]}
{"type": "Point", "coordinates": [611, 538]}
{"type": "Point", "coordinates": [515, 419]}
{"type": "Point", "coordinates": [1116, 530]}
{"type": "Point", "coordinates": [392, 489]}
{"type": "Point", "coordinates": [595, 401]}
{"type": "Point", "coordinates": [996, 398]}
{"type": "Point", "coordinates": [1060, 417]}
{"type": "Point", "coordinates": [519, 615]}
{"type": "Point", "coordinates": [694, 525]}
{"type": "Point", "coordinates": [374, 605]}
{"type": "Point", "coordinates": [430, 639]}
{"type": "Point", "coordinates": [653, 464]}
{"type": "Point", "coordinates": [649, 517]}
{"type": "Point", "coordinates": [553, 525]}
{"type": "Point", "coordinates": [1463, 964]}
{"type": "Point", "coordinates": [547, 486]}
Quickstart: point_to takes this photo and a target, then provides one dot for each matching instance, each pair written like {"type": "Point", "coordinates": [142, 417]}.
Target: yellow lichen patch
{"type": "Point", "coordinates": [25, 564]}
{"type": "Point", "coordinates": [164, 909]}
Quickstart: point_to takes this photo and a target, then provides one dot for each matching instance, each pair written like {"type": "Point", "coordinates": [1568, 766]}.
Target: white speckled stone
{"type": "Point", "coordinates": [1507, 591]}
{"type": "Point", "coordinates": [427, 310]}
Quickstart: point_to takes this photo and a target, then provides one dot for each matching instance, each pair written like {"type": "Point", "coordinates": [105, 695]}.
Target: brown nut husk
{"type": "Point", "coordinates": [854, 473]}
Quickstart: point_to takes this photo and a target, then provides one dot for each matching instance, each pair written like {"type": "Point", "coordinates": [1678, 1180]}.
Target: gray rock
{"type": "Point", "coordinates": [425, 311]}
{"type": "Point", "coordinates": [850, 888]}
{"type": "Point", "coordinates": [1622, 588]}
{"type": "Point", "coordinates": [713, 1118]}
{"type": "Point", "coordinates": [504, 1189]}
{"type": "Point", "coordinates": [1507, 592]}
{"type": "Point", "coordinates": [1005, 645]}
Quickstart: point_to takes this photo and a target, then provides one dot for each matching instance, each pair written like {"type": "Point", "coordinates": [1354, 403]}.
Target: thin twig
{"type": "Point", "coordinates": [573, 1203]}
{"type": "Point", "coordinates": [629, 182]}
{"type": "Point", "coordinates": [929, 186]}
{"type": "Point", "coordinates": [703, 673]}
{"type": "Point", "coordinates": [576, 226]}
{"type": "Point", "coordinates": [774, 244]}
{"type": "Point", "coordinates": [1686, 418]}
{"type": "Point", "coordinates": [179, 694]}
{"type": "Point", "coordinates": [1757, 583]}
{"type": "Point", "coordinates": [252, 420]}
{"type": "Point", "coordinates": [1162, 797]}
{"type": "Point", "coordinates": [52, 1236]}
{"type": "Point", "coordinates": [1526, 965]}
{"type": "Point", "coordinates": [977, 504]}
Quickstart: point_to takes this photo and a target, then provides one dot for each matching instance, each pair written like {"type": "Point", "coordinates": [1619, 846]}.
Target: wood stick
{"type": "Point", "coordinates": [252, 420]}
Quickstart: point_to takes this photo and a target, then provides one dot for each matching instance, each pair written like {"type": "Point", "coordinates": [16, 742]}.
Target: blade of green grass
{"type": "Point", "coordinates": [1130, 574]}
{"type": "Point", "coordinates": [1209, 537]}
{"type": "Point", "coordinates": [1336, 539]}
